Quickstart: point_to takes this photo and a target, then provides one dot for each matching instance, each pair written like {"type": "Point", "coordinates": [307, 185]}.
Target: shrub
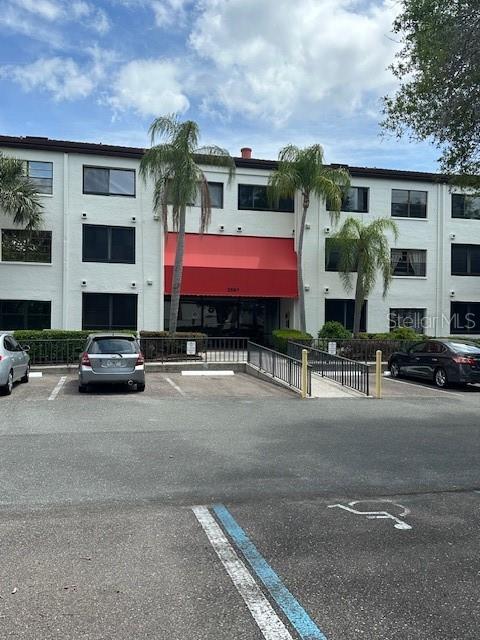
{"type": "Point", "coordinates": [333, 330]}
{"type": "Point", "coordinates": [405, 333]}
{"type": "Point", "coordinates": [281, 337]}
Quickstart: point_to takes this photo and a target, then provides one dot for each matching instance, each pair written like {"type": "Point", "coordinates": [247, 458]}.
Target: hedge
{"type": "Point", "coordinates": [281, 337]}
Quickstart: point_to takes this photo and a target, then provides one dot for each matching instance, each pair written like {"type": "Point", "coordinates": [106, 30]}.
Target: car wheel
{"type": "Point", "coordinates": [26, 377]}
{"type": "Point", "coordinates": [82, 388]}
{"type": "Point", "coordinates": [140, 387]}
{"type": "Point", "coordinates": [395, 370]}
{"type": "Point", "coordinates": [440, 378]}
{"type": "Point", "coordinates": [6, 389]}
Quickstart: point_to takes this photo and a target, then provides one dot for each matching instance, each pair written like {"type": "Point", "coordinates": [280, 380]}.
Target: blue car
{"type": "Point", "coordinates": [443, 362]}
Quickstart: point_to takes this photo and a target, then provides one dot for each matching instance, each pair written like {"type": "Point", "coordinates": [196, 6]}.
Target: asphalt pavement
{"type": "Point", "coordinates": [229, 508]}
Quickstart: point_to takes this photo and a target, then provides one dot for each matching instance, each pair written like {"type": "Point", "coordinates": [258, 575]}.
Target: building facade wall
{"type": "Point", "coordinates": [67, 278]}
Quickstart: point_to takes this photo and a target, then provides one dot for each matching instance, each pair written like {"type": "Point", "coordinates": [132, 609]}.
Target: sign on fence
{"type": "Point", "coordinates": [191, 347]}
{"type": "Point", "coordinates": [332, 348]}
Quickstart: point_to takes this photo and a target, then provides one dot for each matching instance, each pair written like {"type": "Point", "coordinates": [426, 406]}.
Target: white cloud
{"type": "Point", "coordinates": [47, 9]}
{"type": "Point", "coordinates": [62, 77]}
{"type": "Point", "coordinates": [278, 59]}
{"type": "Point", "coordinates": [169, 12]}
{"type": "Point", "coordinates": [151, 87]}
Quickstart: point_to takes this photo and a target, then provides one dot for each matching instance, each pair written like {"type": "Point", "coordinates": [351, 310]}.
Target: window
{"type": "Point", "coordinates": [114, 345]}
{"type": "Point", "coordinates": [108, 244]}
{"type": "Point", "coordinates": [409, 318]}
{"type": "Point", "coordinates": [24, 314]}
{"type": "Point", "coordinates": [40, 174]}
{"type": "Point", "coordinates": [465, 318]}
{"type": "Point", "coordinates": [409, 204]}
{"type": "Point", "coordinates": [342, 311]}
{"type": "Point", "coordinates": [465, 259]}
{"type": "Point", "coordinates": [409, 262]}
{"type": "Point", "coordinates": [216, 195]}
{"type": "Point", "coordinates": [109, 182]}
{"type": "Point", "coordinates": [355, 200]}
{"type": "Point", "coordinates": [332, 255]}
{"type": "Point", "coordinates": [109, 311]}
{"type": "Point", "coordinates": [255, 197]}
{"type": "Point", "coordinates": [11, 344]}
{"type": "Point", "coordinates": [19, 245]}
{"type": "Point", "coordinates": [465, 206]}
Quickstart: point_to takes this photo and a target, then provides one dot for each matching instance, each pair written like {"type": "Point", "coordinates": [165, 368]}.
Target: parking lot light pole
{"type": "Point", "coordinates": [378, 375]}
{"type": "Point", "coordinates": [304, 372]}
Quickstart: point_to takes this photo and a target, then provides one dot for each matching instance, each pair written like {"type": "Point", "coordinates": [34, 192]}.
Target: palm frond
{"type": "Point", "coordinates": [214, 156]}
{"type": "Point", "coordinates": [18, 196]}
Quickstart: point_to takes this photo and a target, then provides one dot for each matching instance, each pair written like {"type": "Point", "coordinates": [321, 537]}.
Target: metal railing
{"type": "Point", "coordinates": [164, 349]}
{"type": "Point", "coordinates": [279, 366]}
{"type": "Point", "coordinates": [348, 373]}
{"type": "Point", "coordinates": [363, 349]}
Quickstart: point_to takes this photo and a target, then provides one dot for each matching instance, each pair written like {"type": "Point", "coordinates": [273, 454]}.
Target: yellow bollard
{"type": "Point", "coordinates": [304, 372]}
{"type": "Point", "coordinates": [378, 375]}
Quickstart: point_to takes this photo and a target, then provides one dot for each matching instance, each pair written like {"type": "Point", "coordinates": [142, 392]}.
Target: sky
{"type": "Point", "coordinates": [257, 73]}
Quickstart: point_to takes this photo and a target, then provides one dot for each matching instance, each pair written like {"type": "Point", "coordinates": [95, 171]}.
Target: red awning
{"type": "Point", "coordinates": [237, 266]}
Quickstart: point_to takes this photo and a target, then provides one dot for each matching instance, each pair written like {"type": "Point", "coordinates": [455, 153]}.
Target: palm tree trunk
{"type": "Point", "coordinates": [177, 273]}
{"type": "Point", "coordinates": [359, 300]}
{"type": "Point", "coordinates": [301, 290]}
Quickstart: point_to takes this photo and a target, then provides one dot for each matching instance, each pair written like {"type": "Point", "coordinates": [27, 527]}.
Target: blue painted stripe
{"type": "Point", "coordinates": [297, 615]}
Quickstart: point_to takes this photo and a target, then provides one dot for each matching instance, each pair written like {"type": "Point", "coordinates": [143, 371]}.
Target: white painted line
{"type": "Point", "coordinates": [56, 391]}
{"type": "Point", "coordinates": [221, 372]}
{"type": "Point", "coordinates": [419, 385]}
{"type": "Point", "coordinates": [175, 386]}
{"type": "Point", "coordinates": [262, 611]}
{"type": "Point", "coordinates": [36, 374]}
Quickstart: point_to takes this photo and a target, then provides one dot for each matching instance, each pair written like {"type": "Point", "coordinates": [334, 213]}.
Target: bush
{"type": "Point", "coordinates": [333, 330]}
{"type": "Point", "coordinates": [281, 337]}
{"type": "Point", "coordinates": [405, 333]}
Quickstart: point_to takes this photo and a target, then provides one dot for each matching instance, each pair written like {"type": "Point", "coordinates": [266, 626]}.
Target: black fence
{"type": "Point", "coordinates": [348, 373]}
{"type": "Point", "coordinates": [279, 366]}
{"type": "Point", "coordinates": [364, 349]}
{"type": "Point", "coordinates": [67, 351]}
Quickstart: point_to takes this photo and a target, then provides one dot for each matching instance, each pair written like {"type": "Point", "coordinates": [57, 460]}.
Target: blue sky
{"type": "Point", "coordinates": [259, 73]}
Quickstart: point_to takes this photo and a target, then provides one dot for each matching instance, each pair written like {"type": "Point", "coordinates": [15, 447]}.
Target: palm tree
{"type": "Point", "coordinates": [304, 171]}
{"type": "Point", "coordinates": [18, 196]}
{"type": "Point", "coordinates": [174, 166]}
{"type": "Point", "coordinates": [364, 248]}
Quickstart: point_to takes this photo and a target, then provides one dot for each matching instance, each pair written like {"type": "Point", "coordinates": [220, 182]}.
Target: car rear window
{"type": "Point", "coordinates": [113, 345]}
{"type": "Point", "coordinates": [464, 347]}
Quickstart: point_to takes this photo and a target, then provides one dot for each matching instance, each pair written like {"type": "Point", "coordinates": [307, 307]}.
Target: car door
{"type": "Point", "coordinates": [413, 364]}
{"type": "Point", "coordinates": [23, 358]}
{"type": "Point", "coordinates": [10, 345]}
{"type": "Point", "coordinates": [431, 359]}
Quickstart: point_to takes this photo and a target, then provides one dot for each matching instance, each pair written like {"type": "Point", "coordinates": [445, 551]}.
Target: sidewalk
{"type": "Point", "coordinates": [325, 388]}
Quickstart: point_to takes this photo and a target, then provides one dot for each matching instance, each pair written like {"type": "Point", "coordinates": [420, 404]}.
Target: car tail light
{"type": "Point", "coordinates": [140, 359]}
{"type": "Point", "coordinates": [86, 359]}
{"type": "Point", "coordinates": [464, 360]}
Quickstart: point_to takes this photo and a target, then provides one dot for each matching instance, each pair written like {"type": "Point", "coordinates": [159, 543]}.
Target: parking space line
{"type": "Point", "coordinates": [175, 386]}
{"type": "Point", "coordinates": [56, 391]}
{"type": "Point", "coordinates": [220, 372]}
{"type": "Point", "coordinates": [298, 617]}
{"type": "Point", "coordinates": [421, 386]}
{"type": "Point", "coordinates": [36, 374]}
{"type": "Point", "coordinates": [262, 611]}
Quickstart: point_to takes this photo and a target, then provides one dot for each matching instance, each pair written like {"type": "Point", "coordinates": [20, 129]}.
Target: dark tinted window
{"type": "Point", "coordinates": [409, 262]}
{"type": "Point", "coordinates": [333, 252]}
{"type": "Point", "coordinates": [108, 244]}
{"type": "Point", "coordinates": [409, 204]}
{"type": "Point", "coordinates": [435, 347]}
{"type": "Point", "coordinates": [109, 311]}
{"type": "Point", "coordinates": [408, 318]}
{"type": "Point", "coordinates": [465, 260]}
{"type": "Point", "coordinates": [8, 343]}
{"type": "Point", "coordinates": [19, 245]}
{"type": "Point", "coordinates": [40, 174]}
{"type": "Point", "coordinates": [24, 314]}
{"type": "Point", "coordinates": [215, 190]}
{"type": "Point", "coordinates": [113, 345]}
{"type": "Point", "coordinates": [255, 197]}
{"type": "Point", "coordinates": [355, 200]}
{"type": "Point", "coordinates": [108, 182]}
{"type": "Point", "coordinates": [342, 311]}
{"type": "Point", "coordinates": [465, 318]}
{"type": "Point", "coordinates": [419, 348]}
{"type": "Point", "coordinates": [464, 206]}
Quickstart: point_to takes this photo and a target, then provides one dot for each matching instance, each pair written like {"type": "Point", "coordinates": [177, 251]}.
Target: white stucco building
{"type": "Point", "coordinates": [101, 260]}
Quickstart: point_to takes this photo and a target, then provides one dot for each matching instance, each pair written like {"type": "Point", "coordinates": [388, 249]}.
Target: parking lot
{"type": "Point", "coordinates": [225, 507]}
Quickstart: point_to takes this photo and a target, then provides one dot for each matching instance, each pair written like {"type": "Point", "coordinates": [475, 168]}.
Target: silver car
{"type": "Point", "coordinates": [109, 359]}
{"type": "Point", "coordinates": [14, 363]}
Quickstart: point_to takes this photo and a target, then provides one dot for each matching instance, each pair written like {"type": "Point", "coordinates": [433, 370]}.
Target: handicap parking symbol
{"type": "Point", "coordinates": [378, 515]}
